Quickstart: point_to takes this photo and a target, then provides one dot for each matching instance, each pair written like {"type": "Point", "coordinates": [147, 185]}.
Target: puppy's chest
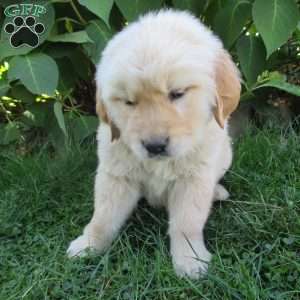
{"type": "Point", "coordinates": [156, 182]}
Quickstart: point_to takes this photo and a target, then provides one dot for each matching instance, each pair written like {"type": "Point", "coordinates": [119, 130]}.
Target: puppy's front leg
{"type": "Point", "coordinates": [115, 198]}
{"type": "Point", "coordinates": [189, 205]}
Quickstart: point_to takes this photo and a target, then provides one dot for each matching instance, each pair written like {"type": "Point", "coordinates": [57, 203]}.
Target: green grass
{"type": "Point", "coordinates": [255, 237]}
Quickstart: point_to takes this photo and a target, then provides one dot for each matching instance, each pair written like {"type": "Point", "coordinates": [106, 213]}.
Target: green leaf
{"type": "Point", "coordinates": [58, 50]}
{"type": "Point", "coordinates": [281, 85]}
{"type": "Point", "coordinates": [4, 87]}
{"type": "Point", "coordinates": [132, 9]}
{"type": "Point", "coordinates": [231, 19]}
{"type": "Point", "coordinates": [195, 6]}
{"type": "Point", "coordinates": [37, 71]}
{"type": "Point", "coordinates": [100, 35]}
{"type": "Point", "coordinates": [83, 127]}
{"type": "Point", "coordinates": [5, 3]}
{"type": "Point", "coordinates": [66, 75]}
{"type": "Point", "coordinates": [275, 20]}
{"type": "Point", "coordinates": [83, 70]}
{"type": "Point", "coordinates": [7, 50]}
{"type": "Point", "coordinates": [212, 8]}
{"type": "Point", "coordinates": [21, 93]}
{"type": "Point", "coordinates": [46, 19]}
{"type": "Point", "coordinates": [78, 37]}
{"type": "Point", "coordinates": [100, 8]}
{"type": "Point", "coordinates": [9, 133]}
{"type": "Point", "coordinates": [252, 56]}
{"type": "Point", "coordinates": [60, 117]}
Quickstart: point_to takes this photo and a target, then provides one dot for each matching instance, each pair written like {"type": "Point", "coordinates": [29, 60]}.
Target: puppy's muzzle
{"type": "Point", "coordinates": [156, 146]}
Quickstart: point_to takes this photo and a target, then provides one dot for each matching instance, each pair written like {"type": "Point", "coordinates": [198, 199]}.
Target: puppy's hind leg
{"type": "Point", "coordinates": [115, 199]}
{"type": "Point", "coordinates": [220, 193]}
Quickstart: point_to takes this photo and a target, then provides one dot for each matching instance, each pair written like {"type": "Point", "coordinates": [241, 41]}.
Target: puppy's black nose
{"type": "Point", "coordinates": [156, 146]}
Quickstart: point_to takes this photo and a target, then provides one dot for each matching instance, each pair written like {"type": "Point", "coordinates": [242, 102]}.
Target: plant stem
{"type": "Point", "coordinates": [82, 20]}
{"type": "Point", "coordinates": [67, 19]}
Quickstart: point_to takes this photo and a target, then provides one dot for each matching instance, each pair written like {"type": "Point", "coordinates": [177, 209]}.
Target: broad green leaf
{"type": "Point", "coordinates": [195, 6]}
{"type": "Point", "coordinates": [7, 50]}
{"type": "Point", "coordinates": [78, 37]}
{"type": "Point", "coordinates": [66, 75]}
{"type": "Point", "coordinates": [132, 9]}
{"type": "Point", "coordinates": [83, 69]}
{"type": "Point", "coordinates": [5, 3]}
{"type": "Point", "coordinates": [211, 10]}
{"type": "Point", "coordinates": [275, 20]}
{"type": "Point", "coordinates": [100, 35]}
{"type": "Point", "coordinates": [83, 127]}
{"type": "Point", "coordinates": [56, 135]}
{"type": "Point", "coordinates": [4, 87]}
{"type": "Point", "coordinates": [252, 56]}
{"type": "Point", "coordinates": [21, 93]}
{"type": "Point", "coordinates": [281, 85]}
{"type": "Point", "coordinates": [46, 19]}
{"type": "Point", "coordinates": [9, 133]}
{"type": "Point", "coordinates": [100, 8]}
{"type": "Point", "coordinates": [231, 19]}
{"type": "Point", "coordinates": [58, 50]}
{"type": "Point", "coordinates": [58, 112]}
{"type": "Point", "coordinates": [37, 71]}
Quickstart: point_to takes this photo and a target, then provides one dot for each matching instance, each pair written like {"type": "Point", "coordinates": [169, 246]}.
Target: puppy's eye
{"type": "Point", "coordinates": [130, 103]}
{"type": "Point", "coordinates": [176, 94]}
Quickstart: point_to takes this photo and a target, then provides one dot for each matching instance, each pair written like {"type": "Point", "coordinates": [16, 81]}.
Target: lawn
{"type": "Point", "coordinates": [255, 237]}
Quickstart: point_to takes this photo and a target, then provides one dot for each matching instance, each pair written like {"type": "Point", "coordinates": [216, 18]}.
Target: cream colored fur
{"type": "Point", "coordinates": [160, 52]}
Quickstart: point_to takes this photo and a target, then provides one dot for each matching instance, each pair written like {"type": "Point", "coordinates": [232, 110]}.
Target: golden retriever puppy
{"type": "Point", "coordinates": [165, 89]}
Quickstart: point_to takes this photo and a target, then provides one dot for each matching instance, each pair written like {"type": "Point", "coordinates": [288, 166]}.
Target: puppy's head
{"type": "Point", "coordinates": [161, 81]}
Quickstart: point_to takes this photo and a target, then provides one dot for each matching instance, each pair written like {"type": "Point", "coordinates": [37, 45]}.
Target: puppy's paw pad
{"type": "Point", "coordinates": [192, 267]}
{"type": "Point", "coordinates": [79, 247]}
{"type": "Point", "coordinates": [221, 194]}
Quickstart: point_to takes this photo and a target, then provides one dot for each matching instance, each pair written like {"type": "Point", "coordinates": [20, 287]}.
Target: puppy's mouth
{"type": "Point", "coordinates": [158, 156]}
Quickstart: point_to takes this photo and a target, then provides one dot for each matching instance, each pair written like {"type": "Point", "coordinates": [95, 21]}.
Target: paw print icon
{"type": "Point", "coordinates": [24, 31]}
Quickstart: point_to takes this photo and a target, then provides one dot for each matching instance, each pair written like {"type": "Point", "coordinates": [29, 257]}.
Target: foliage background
{"type": "Point", "coordinates": [49, 91]}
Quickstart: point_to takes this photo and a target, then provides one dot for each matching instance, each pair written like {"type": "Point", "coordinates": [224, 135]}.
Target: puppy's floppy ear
{"type": "Point", "coordinates": [228, 87]}
{"type": "Point", "coordinates": [102, 113]}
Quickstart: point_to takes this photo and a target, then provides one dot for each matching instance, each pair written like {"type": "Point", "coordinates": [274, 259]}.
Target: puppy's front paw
{"type": "Point", "coordinates": [193, 264]}
{"type": "Point", "coordinates": [79, 247]}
